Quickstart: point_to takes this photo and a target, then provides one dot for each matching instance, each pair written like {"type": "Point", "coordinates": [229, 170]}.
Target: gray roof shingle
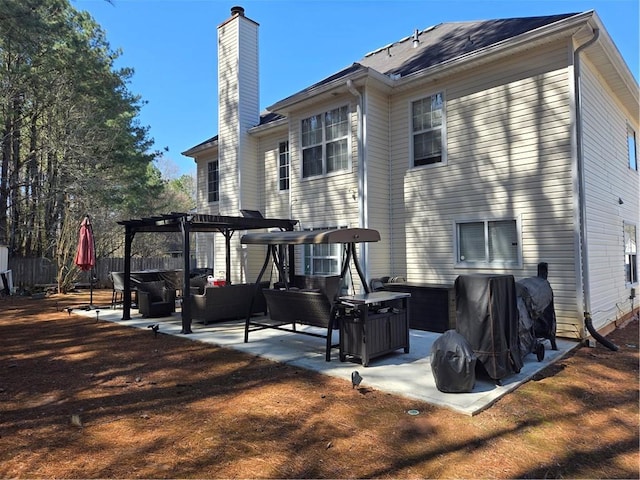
{"type": "Point", "coordinates": [447, 41]}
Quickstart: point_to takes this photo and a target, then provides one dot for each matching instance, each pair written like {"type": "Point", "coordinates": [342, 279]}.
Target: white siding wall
{"type": "Point", "coordinates": [509, 141]}
{"type": "Point", "coordinates": [228, 116]}
{"type": "Point", "coordinates": [323, 201]}
{"type": "Point", "coordinates": [249, 115]}
{"type": "Point", "coordinates": [202, 194]}
{"type": "Point", "coordinates": [608, 178]}
{"type": "Point", "coordinates": [276, 202]}
{"type": "Point", "coordinates": [238, 110]}
{"type": "Point", "coordinates": [270, 201]}
{"type": "Point", "coordinates": [377, 167]}
{"type": "Point", "coordinates": [204, 242]}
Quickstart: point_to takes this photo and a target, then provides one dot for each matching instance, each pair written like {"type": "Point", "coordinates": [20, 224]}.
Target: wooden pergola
{"type": "Point", "coordinates": [186, 223]}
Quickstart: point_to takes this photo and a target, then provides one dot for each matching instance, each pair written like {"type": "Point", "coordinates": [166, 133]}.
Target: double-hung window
{"type": "Point", "coordinates": [427, 130]}
{"type": "Point", "coordinates": [325, 142]}
{"type": "Point", "coordinates": [632, 149]}
{"type": "Point", "coordinates": [213, 182]}
{"type": "Point", "coordinates": [283, 166]}
{"type": "Point", "coordinates": [488, 243]}
{"type": "Point", "coordinates": [323, 258]}
{"type": "Point", "coordinates": [630, 253]}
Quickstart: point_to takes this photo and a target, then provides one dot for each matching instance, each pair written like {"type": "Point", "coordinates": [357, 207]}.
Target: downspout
{"type": "Point", "coordinates": [586, 286]}
{"type": "Point", "coordinates": [363, 212]}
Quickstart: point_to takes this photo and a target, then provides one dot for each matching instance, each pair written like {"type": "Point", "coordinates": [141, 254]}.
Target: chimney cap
{"type": "Point", "coordinates": [237, 10]}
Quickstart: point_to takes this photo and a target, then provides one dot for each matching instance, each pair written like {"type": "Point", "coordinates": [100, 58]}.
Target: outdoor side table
{"type": "Point", "coordinates": [374, 324]}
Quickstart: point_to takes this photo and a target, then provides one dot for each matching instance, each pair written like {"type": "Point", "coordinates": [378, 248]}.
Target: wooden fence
{"type": "Point", "coordinates": [27, 272]}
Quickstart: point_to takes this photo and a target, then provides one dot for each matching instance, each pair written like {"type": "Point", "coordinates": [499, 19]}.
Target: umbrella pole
{"type": "Point", "coordinates": [91, 288]}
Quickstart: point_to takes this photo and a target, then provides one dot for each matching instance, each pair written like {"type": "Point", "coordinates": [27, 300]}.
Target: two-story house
{"type": "Point", "coordinates": [475, 147]}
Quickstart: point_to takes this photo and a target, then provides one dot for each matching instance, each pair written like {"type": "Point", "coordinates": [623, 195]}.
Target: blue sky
{"type": "Point", "coordinates": [171, 45]}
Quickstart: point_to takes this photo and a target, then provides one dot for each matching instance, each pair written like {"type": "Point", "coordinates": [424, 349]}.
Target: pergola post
{"type": "Point", "coordinates": [126, 296]}
{"type": "Point", "coordinates": [227, 242]}
{"type": "Point", "coordinates": [186, 290]}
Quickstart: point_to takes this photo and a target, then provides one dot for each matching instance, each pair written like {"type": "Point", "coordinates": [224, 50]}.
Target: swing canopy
{"type": "Point", "coordinates": [338, 235]}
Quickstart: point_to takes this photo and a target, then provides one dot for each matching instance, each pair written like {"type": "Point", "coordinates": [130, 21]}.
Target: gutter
{"type": "Point", "coordinates": [363, 211]}
{"type": "Point", "coordinates": [582, 207]}
{"type": "Point", "coordinates": [201, 147]}
{"type": "Point", "coordinates": [359, 76]}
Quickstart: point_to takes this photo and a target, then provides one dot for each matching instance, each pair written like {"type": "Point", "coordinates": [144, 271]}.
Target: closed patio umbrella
{"type": "Point", "coordinates": [86, 254]}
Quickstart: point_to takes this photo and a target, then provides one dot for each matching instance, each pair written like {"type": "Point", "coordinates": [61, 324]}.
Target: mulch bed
{"type": "Point", "coordinates": [83, 398]}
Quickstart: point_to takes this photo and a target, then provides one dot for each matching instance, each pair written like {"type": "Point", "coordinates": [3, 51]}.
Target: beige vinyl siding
{"type": "Point", "coordinates": [323, 201]}
{"type": "Point", "coordinates": [509, 145]}
{"type": "Point", "coordinates": [238, 110]}
{"type": "Point", "coordinates": [204, 242]}
{"type": "Point", "coordinates": [228, 116]}
{"type": "Point", "coordinates": [607, 179]}
{"type": "Point", "coordinates": [327, 199]}
{"type": "Point", "coordinates": [249, 115]}
{"type": "Point", "coordinates": [377, 166]}
{"type": "Point", "coordinates": [202, 192]}
{"type": "Point", "coordinates": [272, 203]}
{"type": "Point", "coordinates": [276, 202]}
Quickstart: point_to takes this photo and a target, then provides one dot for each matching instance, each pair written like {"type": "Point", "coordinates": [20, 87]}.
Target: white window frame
{"type": "Point", "coordinates": [487, 263]}
{"type": "Point", "coordinates": [284, 166]}
{"type": "Point", "coordinates": [632, 148]}
{"type": "Point", "coordinates": [211, 183]}
{"type": "Point", "coordinates": [630, 253]}
{"type": "Point", "coordinates": [442, 127]}
{"type": "Point", "coordinates": [311, 252]}
{"type": "Point", "coordinates": [324, 141]}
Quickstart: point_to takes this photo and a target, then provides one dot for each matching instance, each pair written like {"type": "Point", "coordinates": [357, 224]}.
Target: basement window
{"type": "Point", "coordinates": [488, 243]}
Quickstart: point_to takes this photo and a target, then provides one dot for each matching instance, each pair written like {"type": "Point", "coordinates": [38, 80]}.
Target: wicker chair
{"type": "Point", "coordinates": [155, 299]}
{"type": "Point", "coordinates": [117, 280]}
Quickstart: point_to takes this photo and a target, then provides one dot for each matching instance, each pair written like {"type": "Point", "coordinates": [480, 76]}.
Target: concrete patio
{"type": "Point", "coordinates": [408, 375]}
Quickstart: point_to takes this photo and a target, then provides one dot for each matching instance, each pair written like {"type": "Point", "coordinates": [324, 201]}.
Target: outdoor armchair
{"type": "Point", "coordinates": [155, 299]}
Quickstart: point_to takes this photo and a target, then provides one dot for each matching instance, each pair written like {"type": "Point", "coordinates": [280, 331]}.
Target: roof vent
{"type": "Point", "coordinates": [416, 42]}
{"type": "Point", "coordinates": [237, 11]}
{"type": "Point", "coordinates": [468, 44]}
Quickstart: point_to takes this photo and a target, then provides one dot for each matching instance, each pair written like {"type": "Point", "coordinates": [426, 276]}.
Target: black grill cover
{"type": "Point", "coordinates": [538, 298]}
{"type": "Point", "coordinates": [453, 363]}
{"type": "Point", "coordinates": [487, 316]}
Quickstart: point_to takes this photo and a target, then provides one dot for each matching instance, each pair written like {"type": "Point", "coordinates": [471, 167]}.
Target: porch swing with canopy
{"type": "Point", "coordinates": [290, 306]}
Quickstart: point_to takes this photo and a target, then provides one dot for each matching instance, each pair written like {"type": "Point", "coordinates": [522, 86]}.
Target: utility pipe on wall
{"type": "Point", "coordinates": [363, 213]}
{"type": "Point", "coordinates": [586, 286]}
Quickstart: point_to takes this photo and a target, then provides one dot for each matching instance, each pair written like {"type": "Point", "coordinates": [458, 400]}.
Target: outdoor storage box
{"type": "Point", "coordinates": [433, 307]}
{"type": "Point", "coordinates": [372, 329]}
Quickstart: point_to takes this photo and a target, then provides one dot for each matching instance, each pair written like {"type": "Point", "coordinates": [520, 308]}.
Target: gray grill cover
{"type": "Point", "coordinates": [453, 363]}
{"type": "Point", "coordinates": [487, 316]}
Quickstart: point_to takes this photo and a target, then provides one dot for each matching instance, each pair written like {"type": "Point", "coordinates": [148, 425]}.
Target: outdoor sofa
{"type": "Point", "coordinates": [228, 302]}
{"type": "Point", "coordinates": [308, 301]}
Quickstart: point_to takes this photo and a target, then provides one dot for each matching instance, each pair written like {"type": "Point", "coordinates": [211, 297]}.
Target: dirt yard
{"type": "Point", "coordinates": [81, 398]}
